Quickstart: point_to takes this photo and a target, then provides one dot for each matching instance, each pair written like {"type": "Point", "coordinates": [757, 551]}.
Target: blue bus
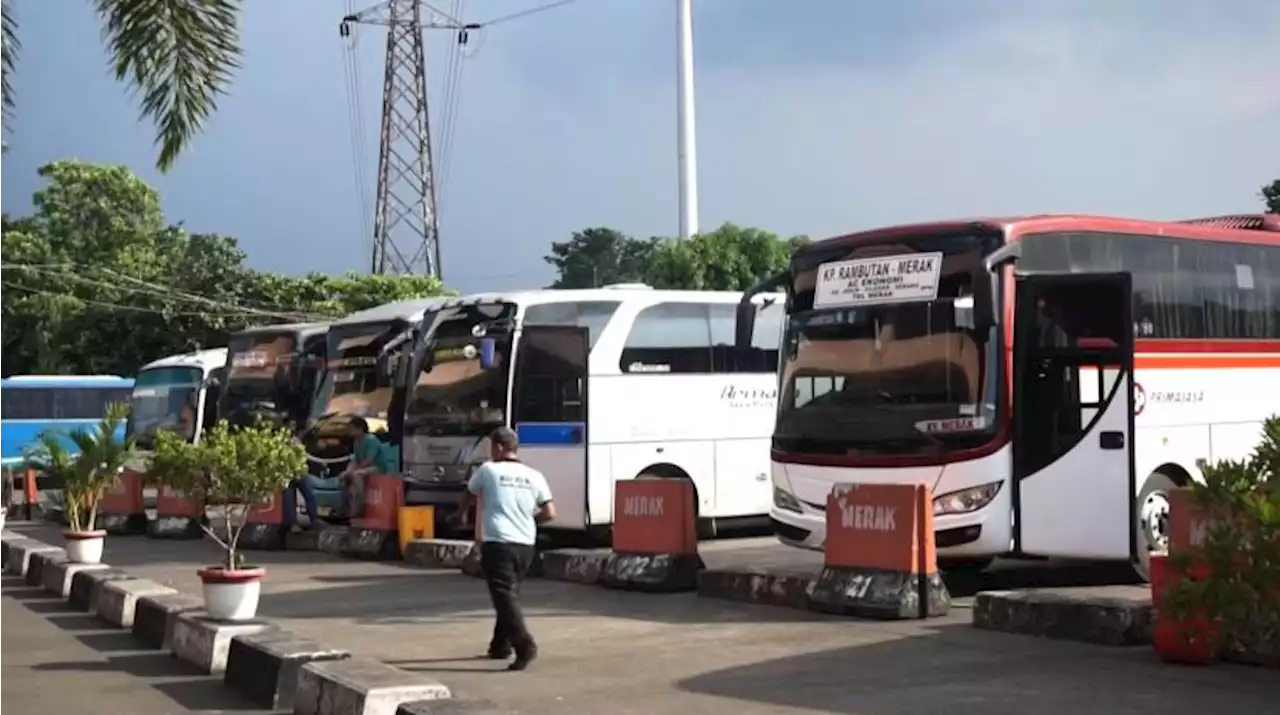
{"type": "Point", "coordinates": [30, 404]}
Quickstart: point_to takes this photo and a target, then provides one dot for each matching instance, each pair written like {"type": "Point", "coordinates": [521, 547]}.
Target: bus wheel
{"type": "Point", "coordinates": [1152, 509]}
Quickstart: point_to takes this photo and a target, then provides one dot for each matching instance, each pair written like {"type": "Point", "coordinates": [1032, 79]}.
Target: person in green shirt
{"type": "Point", "coordinates": [367, 458]}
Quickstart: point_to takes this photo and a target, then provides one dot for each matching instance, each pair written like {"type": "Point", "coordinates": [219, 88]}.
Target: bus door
{"type": "Point", "coordinates": [550, 414]}
{"type": "Point", "coordinates": [1073, 485]}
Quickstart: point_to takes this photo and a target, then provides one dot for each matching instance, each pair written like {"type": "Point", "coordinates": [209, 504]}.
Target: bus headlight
{"type": "Point", "coordinates": [782, 497]}
{"type": "Point", "coordinates": [965, 500]}
{"type": "Point", "coordinates": [785, 501]}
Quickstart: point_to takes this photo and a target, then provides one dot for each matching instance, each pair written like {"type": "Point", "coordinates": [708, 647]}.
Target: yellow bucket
{"type": "Point", "coordinates": [416, 522]}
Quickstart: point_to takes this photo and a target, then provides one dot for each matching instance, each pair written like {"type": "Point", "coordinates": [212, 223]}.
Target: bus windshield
{"type": "Point", "coordinates": [350, 384]}
{"type": "Point", "coordinates": [890, 378]}
{"type": "Point", "coordinates": [454, 395]}
{"type": "Point", "coordinates": [251, 379]}
{"type": "Point", "coordinates": [164, 398]}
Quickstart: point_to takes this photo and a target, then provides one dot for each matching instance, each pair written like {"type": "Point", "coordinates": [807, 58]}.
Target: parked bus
{"type": "Point", "coordinates": [35, 403]}
{"type": "Point", "coordinates": [272, 371]}
{"type": "Point", "coordinates": [178, 393]}
{"type": "Point", "coordinates": [352, 385]}
{"type": "Point", "coordinates": [601, 385]}
{"type": "Point", "coordinates": [1051, 378]}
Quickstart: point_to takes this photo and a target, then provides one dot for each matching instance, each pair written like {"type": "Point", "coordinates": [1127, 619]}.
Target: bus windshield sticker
{"type": "Point", "coordinates": [958, 424]}
{"type": "Point", "coordinates": [1244, 276]}
{"type": "Point", "coordinates": [253, 358]}
{"type": "Point", "coordinates": [874, 281]}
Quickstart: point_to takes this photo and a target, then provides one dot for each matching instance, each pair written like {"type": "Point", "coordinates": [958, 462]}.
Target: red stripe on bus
{"type": "Point", "coordinates": [1207, 346]}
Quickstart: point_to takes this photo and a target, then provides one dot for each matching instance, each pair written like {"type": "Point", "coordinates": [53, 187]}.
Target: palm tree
{"type": "Point", "coordinates": [87, 475]}
{"type": "Point", "coordinates": [180, 55]}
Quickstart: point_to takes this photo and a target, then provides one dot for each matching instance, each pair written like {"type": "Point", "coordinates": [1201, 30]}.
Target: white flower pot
{"type": "Point", "coordinates": [3, 513]}
{"type": "Point", "coordinates": [84, 547]}
{"type": "Point", "coordinates": [232, 595]}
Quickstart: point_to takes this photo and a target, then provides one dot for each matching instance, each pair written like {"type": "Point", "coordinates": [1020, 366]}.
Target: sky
{"type": "Point", "coordinates": [816, 117]}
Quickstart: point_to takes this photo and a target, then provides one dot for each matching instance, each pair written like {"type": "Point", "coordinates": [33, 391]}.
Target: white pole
{"type": "Point", "coordinates": [687, 133]}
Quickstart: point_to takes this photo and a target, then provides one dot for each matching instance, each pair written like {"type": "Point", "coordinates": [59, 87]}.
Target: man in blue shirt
{"type": "Point", "coordinates": [366, 459]}
{"type": "Point", "coordinates": [514, 499]}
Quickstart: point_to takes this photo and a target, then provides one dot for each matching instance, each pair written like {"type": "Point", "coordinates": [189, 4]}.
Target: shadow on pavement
{"type": "Point", "coordinates": [182, 683]}
{"type": "Point", "coordinates": [954, 668]}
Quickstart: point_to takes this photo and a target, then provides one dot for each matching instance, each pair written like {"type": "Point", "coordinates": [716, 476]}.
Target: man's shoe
{"type": "Point", "coordinates": [498, 653]}
{"type": "Point", "coordinates": [523, 660]}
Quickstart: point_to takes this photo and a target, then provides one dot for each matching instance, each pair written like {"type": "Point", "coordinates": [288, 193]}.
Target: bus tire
{"type": "Point", "coordinates": [1151, 509]}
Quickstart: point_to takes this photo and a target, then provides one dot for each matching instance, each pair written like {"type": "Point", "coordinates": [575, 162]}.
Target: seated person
{"type": "Point", "coordinates": [366, 459]}
{"type": "Point", "coordinates": [306, 484]}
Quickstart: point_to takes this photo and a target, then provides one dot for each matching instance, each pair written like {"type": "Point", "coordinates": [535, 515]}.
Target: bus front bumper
{"type": "Point", "coordinates": [984, 533]}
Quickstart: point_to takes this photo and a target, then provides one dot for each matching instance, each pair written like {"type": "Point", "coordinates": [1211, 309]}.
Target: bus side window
{"type": "Point", "coordinates": [549, 387]}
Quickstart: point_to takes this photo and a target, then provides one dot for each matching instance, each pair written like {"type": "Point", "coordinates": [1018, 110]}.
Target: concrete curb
{"type": "Point", "coordinates": [658, 573]}
{"type": "Point", "coordinates": [454, 706]}
{"type": "Point", "coordinates": [574, 565]}
{"type": "Point", "coordinates": [58, 574]}
{"type": "Point", "coordinates": [1065, 616]}
{"type": "Point", "coordinates": [757, 586]}
{"type": "Point", "coordinates": [154, 617]}
{"type": "Point", "coordinates": [438, 553]}
{"type": "Point", "coordinates": [118, 600]}
{"type": "Point", "coordinates": [270, 666]}
{"type": "Point", "coordinates": [86, 586]}
{"type": "Point", "coordinates": [40, 561]}
{"type": "Point", "coordinates": [264, 667]}
{"type": "Point", "coordinates": [371, 545]}
{"type": "Point", "coordinates": [205, 643]}
{"type": "Point", "coordinates": [361, 686]}
{"type": "Point", "coordinates": [175, 527]}
{"type": "Point", "coordinates": [20, 552]}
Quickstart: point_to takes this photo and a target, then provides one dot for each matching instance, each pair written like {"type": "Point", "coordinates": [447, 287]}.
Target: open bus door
{"type": "Point", "coordinates": [550, 414]}
{"type": "Point", "coordinates": [1073, 470]}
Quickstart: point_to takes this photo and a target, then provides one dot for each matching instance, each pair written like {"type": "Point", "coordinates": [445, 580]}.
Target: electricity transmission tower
{"type": "Point", "coordinates": [406, 228]}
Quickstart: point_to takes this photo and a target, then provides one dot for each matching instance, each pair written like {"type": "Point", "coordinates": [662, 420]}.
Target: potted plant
{"type": "Point", "coordinates": [85, 477]}
{"type": "Point", "coordinates": [239, 468]}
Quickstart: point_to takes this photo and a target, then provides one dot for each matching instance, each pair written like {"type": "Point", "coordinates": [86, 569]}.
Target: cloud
{"type": "Point", "coordinates": [814, 116]}
{"type": "Point", "coordinates": [1151, 116]}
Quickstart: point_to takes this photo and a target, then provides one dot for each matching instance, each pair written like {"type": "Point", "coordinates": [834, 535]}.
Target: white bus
{"type": "Point", "coordinates": [1051, 378]}
{"type": "Point", "coordinates": [601, 385]}
{"type": "Point", "coordinates": [178, 393]}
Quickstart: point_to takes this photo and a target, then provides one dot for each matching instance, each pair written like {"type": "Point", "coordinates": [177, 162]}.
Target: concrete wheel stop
{"type": "Point", "coordinates": [86, 586]}
{"type": "Point", "coordinates": [361, 686]}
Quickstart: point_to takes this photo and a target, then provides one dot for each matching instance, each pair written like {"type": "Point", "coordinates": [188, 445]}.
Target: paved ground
{"type": "Point", "coordinates": [624, 653]}
{"type": "Point", "coordinates": [57, 661]}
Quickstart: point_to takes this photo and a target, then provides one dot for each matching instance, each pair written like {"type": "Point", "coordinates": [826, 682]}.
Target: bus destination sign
{"type": "Point", "coordinates": [874, 281]}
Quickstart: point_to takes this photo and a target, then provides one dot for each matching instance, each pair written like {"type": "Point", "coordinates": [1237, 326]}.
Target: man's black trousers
{"type": "Point", "coordinates": [504, 567]}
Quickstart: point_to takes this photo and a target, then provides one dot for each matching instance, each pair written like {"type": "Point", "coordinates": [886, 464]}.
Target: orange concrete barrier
{"type": "Point", "coordinates": [178, 516]}
{"type": "Point", "coordinates": [881, 560]}
{"type": "Point", "coordinates": [655, 537]}
{"type": "Point", "coordinates": [383, 497]}
{"type": "Point", "coordinates": [1193, 640]}
{"type": "Point", "coordinates": [121, 511]}
{"type": "Point", "coordinates": [264, 525]}
{"type": "Point", "coordinates": [376, 534]}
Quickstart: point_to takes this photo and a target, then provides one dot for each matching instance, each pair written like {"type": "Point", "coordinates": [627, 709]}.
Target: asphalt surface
{"type": "Point", "coordinates": [59, 661]}
{"type": "Point", "coordinates": [631, 653]}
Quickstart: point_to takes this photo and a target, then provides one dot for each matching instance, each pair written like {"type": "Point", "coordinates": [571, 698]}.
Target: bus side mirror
{"type": "Point", "coordinates": [488, 353]}
{"type": "Point", "coordinates": [745, 325]}
{"type": "Point", "coordinates": [982, 304]}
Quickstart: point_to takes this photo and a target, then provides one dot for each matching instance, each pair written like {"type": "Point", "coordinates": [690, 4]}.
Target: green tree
{"type": "Point", "coordinates": [1271, 195]}
{"type": "Point", "coordinates": [599, 256]}
{"type": "Point", "coordinates": [728, 258]}
{"type": "Point", "coordinates": [178, 55]}
{"type": "Point", "coordinates": [95, 281]}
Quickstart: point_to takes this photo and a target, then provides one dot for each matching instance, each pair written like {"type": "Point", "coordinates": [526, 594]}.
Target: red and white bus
{"type": "Point", "coordinates": [1049, 377]}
